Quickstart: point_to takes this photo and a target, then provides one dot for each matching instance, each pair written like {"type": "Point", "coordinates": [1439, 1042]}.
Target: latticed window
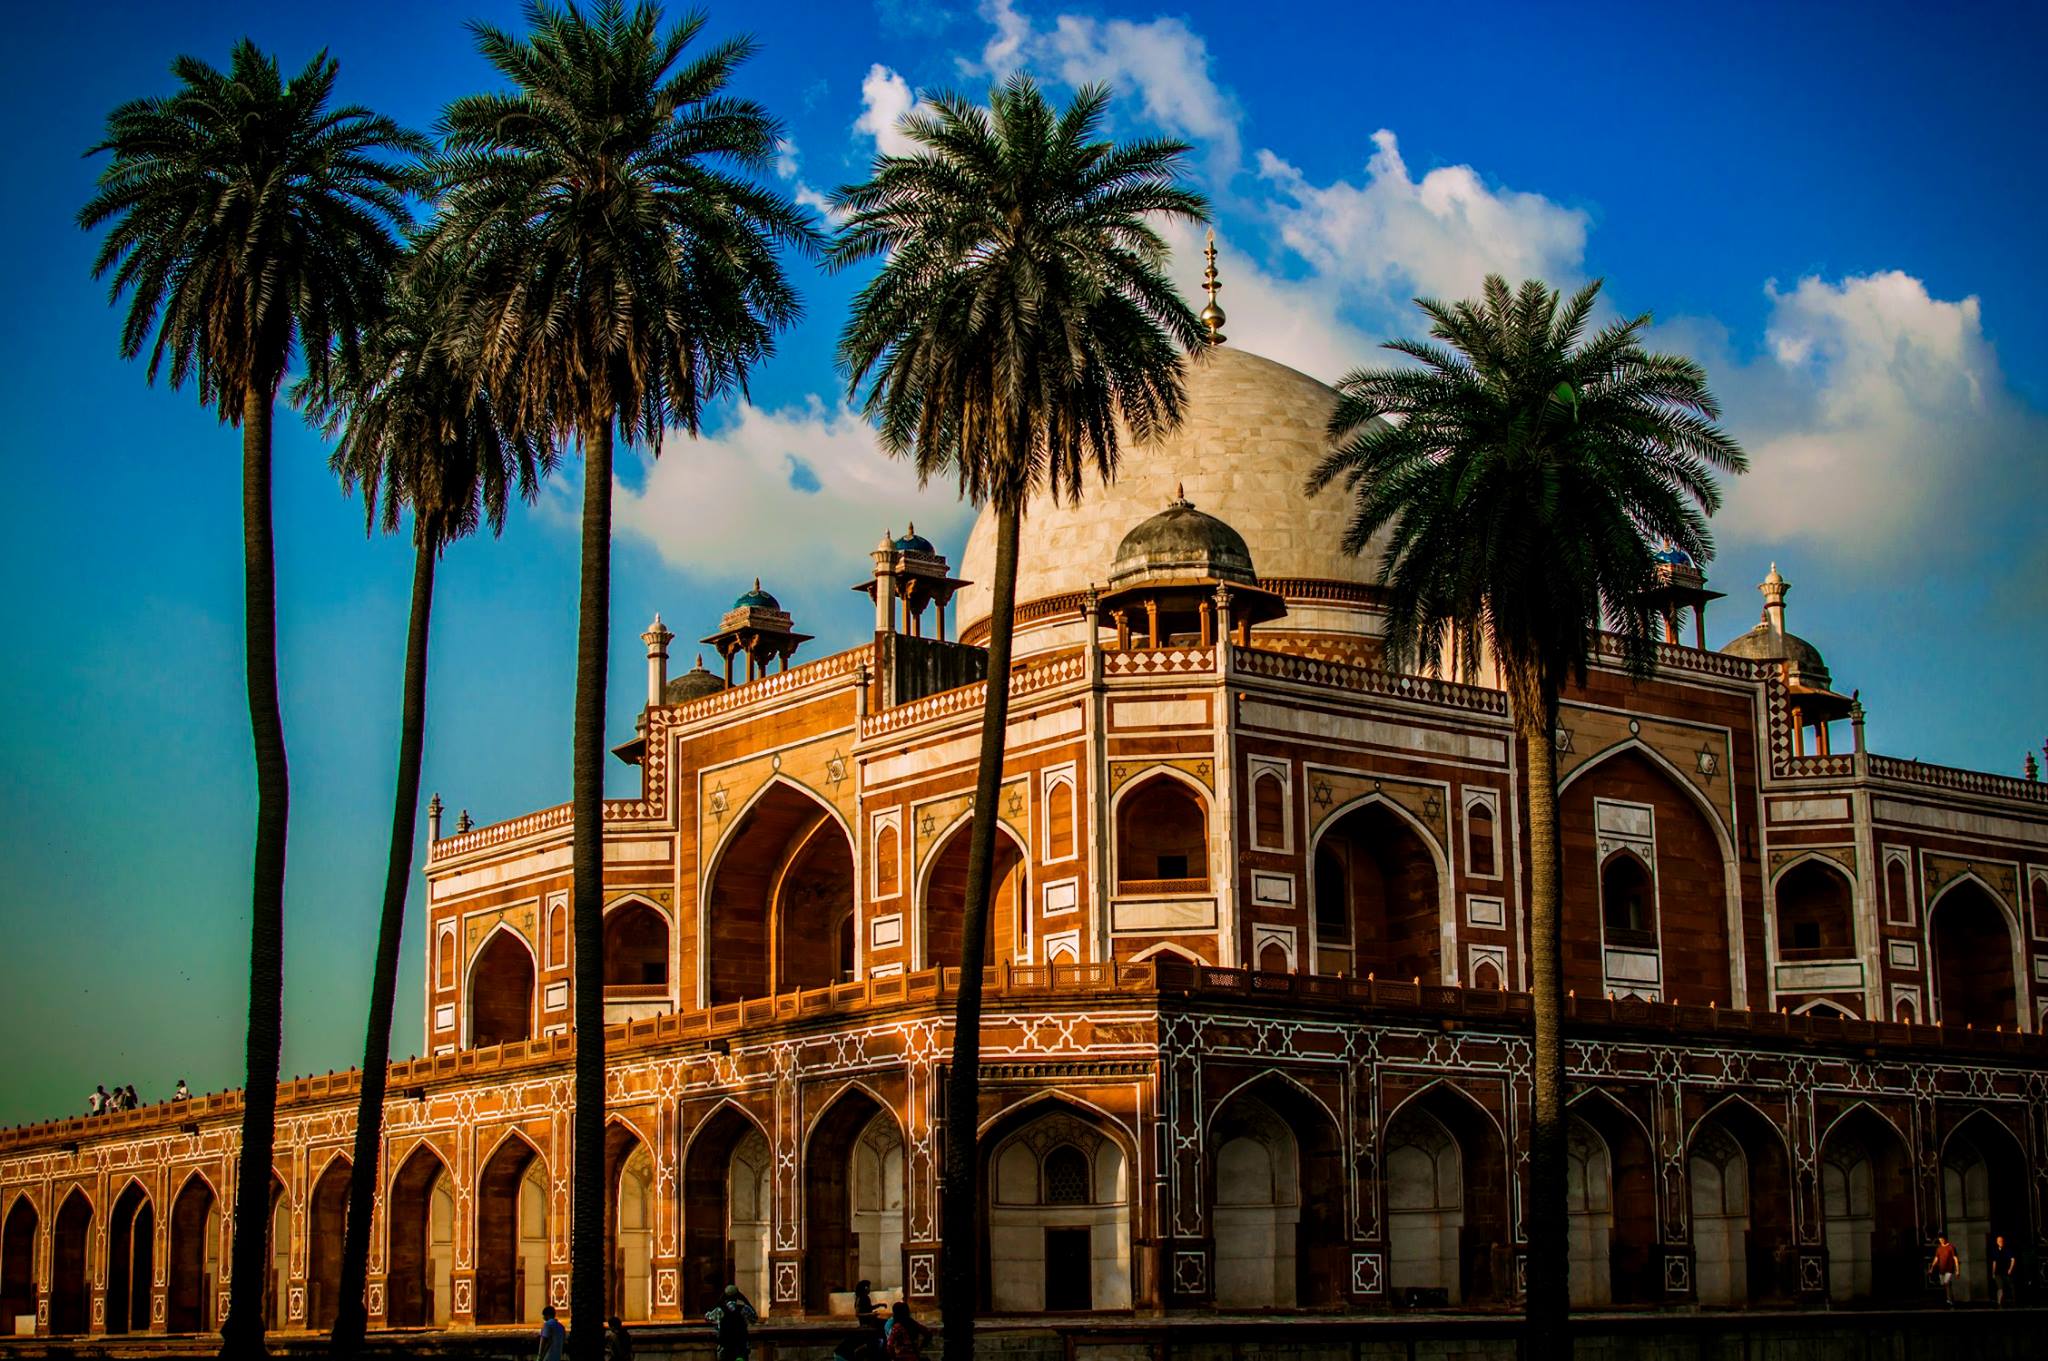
{"type": "Point", "coordinates": [1066, 1176]}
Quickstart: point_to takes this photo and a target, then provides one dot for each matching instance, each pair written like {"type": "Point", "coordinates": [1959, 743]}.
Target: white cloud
{"type": "Point", "coordinates": [886, 99]}
{"type": "Point", "coordinates": [798, 494]}
{"type": "Point", "coordinates": [1438, 236]}
{"type": "Point", "coordinates": [789, 168]}
{"type": "Point", "coordinates": [787, 162]}
{"type": "Point", "coordinates": [1163, 63]}
{"type": "Point", "coordinates": [1879, 425]}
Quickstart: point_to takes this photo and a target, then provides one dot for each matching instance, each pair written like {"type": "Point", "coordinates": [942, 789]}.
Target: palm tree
{"type": "Point", "coordinates": [1521, 471]}
{"type": "Point", "coordinates": [250, 220]}
{"type": "Point", "coordinates": [619, 267]}
{"type": "Point", "coordinates": [417, 433]}
{"type": "Point", "coordinates": [1022, 309]}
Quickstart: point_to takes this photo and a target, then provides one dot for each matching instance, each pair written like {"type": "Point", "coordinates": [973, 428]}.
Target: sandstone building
{"type": "Point", "coordinates": [1257, 1033]}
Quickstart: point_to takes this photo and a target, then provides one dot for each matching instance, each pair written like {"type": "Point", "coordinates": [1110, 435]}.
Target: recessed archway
{"type": "Point", "coordinates": [70, 1244]}
{"type": "Point", "coordinates": [1278, 1187]}
{"type": "Point", "coordinates": [727, 1187]}
{"type": "Point", "coordinates": [131, 1254]}
{"type": "Point", "coordinates": [780, 892]}
{"type": "Point", "coordinates": [1816, 911]}
{"type": "Point", "coordinates": [1445, 1175]}
{"type": "Point", "coordinates": [1615, 1257]}
{"type": "Point", "coordinates": [501, 987]}
{"type": "Point", "coordinates": [1741, 1207]}
{"type": "Point", "coordinates": [419, 1265]}
{"type": "Point", "coordinates": [1972, 941]}
{"type": "Point", "coordinates": [1162, 837]}
{"type": "Point", "coordinates": [1056, 1212]}
{"type": "Point", "coordinates": [629, 1228]}
{"type": "Point", "coordinates": [853, 1199]}
{"type": "Point", "coordinates": [1983, 1194]}
{"type": "Point", "coordinates": [943, 907]}
{"type": "Point", "coordinates": [194, 1258]}
{"type": "Point", "coordinates": [327, 1224]}
{"type": "Point", "coordinates": [635, 951]}
{"type": "Point", "coordinates": [1377, 894]}
{"type": "Point", "coordinates": [1866, 1201]}
{"type": "Point", "coordinates": [512, 1234]}
{"type": "Point", "coordinates": [18, 1262]}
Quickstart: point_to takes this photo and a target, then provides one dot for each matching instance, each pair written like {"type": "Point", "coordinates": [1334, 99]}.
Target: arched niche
{"type": "Point", "coordinates": [943, 911]}
{"type": "Point", "coordinates": [1866, 1203]}
{"type": "Point", "coordinates": [1444, 1173]}
{"type": "Point", "coordinates": [1972, 942]}
{"type": "Point", "coordinates": [326, 1224]}
{"type": "Point", "coordinates": [779, 898]}
{"type": "Point", "coordinates": [419, 1261]}
{"type": "Point", "coordinates": [18, 1261]}
{"type": "Point", "coordinates": [512, 1234]}
{"type": "Point", "coordinates": [1377, 892]}
{"type": "Point", "coordinates": [636, 950]}
{"type": "Point", "coordinates": [1162, 836]}
{"type": "Point", "coordinates": [1628, 901]}
{"type": "Point", "coordinates": [70, 1249]}
{"type": "Point", "coordinates": [1983, 1194]}
{"type": "Point", "coordinates": [853, 1199]}
{"type": "Point", "coordinates": [1056, 1212]}
{"type": "Point", "coordinates": [501, 990]}
{"type": "Point", "coordinates": [1625, 1267]}
{"type": "Point", "coordinates": [629, 1228]}
{"type": "Point", "coordinates": [194, 1265]}
{"type": "Point", "coordinates": [727, 1210]}
{"type": "Point", "coordinates": [1741, 1190]}
{"type": "Point", "coordinates": [1277, 1185]}
{"type": "Point", "coordinates": [131, 1257]}
{"type": "Point", "coordinates": [1816, 911]}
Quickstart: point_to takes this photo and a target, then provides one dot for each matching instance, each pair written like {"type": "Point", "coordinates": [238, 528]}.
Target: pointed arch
{"type": "Point", "coordinates": [1975, 982]}
{"type": "Point", "coordinates": [854, 1191]}
{"type": "Point", "coordinates": [327, 1222]}
{"type": "Point", "coordinates": [511, 1198]}
{"type": "Point", "coordinates": [1277, 1179]}
{"type": "Point", "coordinates": [1027, 1108]}
{"type": "Point", "coordinates": [943, 869]}
{"type": "Point", "coordinates": [70, 1253]}
{"type": "Point", "coordinates": [853, 1089]}
{"type": "Point", "coordinates": [1813, 908]}
{"type": "Point", "coordinates": [18, 1257]}
{"type": "Point", "coordinates": [1444, 1176]}
{"type": "Point", "coordinates": [131, 1258]}
{"type": "Point", "coordinates": [1867, 1204]}
{"type": "Point", "coordinates": [419, 1259]}
{"type": "Point", "coordinates": [1629, 1264]}
{"type": "Point", "coordinates": [194, 1266]}
{"type": "Point", "coordinates": [1165, 948]}
{"type": "Point", "coordinates": [1452, 1086]}
{"type": "Point", "coordinates": [712, 1254]}
{"type": "Point", "coordinates": [771, 873]}
{"type": "Point", "coordinates": [1405, 944]}
{"type": "Point", "coordinates": [500, 988]}
{"type": "Point", "coordinates": [1279, 1078]}
{"type": "Point", "coordinates": [1055, 1243]}
{"type": "Point", "coordinates": [1162, 842]}
{"type": "Point", "coordinates": [1740, 1186]}
{"type": "Point", "coordinates": [639, 945]}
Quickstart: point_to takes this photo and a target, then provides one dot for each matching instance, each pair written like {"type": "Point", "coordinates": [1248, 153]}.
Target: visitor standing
{"type": "Point", "coordinates": [906, 1335]}
{"type": "Point", "coordinates": [96, 1103]}
{"type": "Point", "coordinates": [129, 1100]}
{"type": "Point", "coordinates": [863, 1299]}
{"type": "Point", "coordinates": [552, 1335]}
{"type": "Point", "coordinates": [618, 1343]}
{"type": "Point", "coordinates": [731, 1317]}
{"type": "Point", "coordinates": [1945, 1268]}
{"type": "Point", "coordinates": [2004, 1262]}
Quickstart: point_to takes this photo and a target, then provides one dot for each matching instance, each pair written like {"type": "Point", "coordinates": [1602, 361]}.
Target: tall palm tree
{"type": "Point", "coordinates": [418, 434]}
{"type": "Point", "coordinates": [249, 219]}
{"type": "Point", "coordinates": [1521, 471]}
{"type": "Point", "coordinates": [1022, 309]}
{"type": "Point", "coordinates": [619, 264]}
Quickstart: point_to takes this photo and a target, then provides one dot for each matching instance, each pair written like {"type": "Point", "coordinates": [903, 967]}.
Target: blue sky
{"type": "Point", "coordinates": [1836, 208]}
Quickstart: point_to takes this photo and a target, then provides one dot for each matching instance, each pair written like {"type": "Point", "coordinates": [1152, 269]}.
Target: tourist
{"type": "Point", "coordinates": [862, 1344]}
{"type": "Point", "coordinates": [863, 1299]}
{"type": "Point", "coordinates": [731, 1317]}
{"type": "Point", "coordinates": [183, 1093]}
{"type": "Point", "coordinates": [906, 1335]}
{"type": "Point", "coordinates": [2004, 1261]}
{"type": "Point", "coordinates": [618, 1343]}
{"type": "Point", "coordinates": [1945, 1267]}
{"type": "Point", "coordinates": [96, 1103]}
{"type": "Point", "coordinates": [129, 1100]}
{"type": "Point", "coordinates": [552, 1335]}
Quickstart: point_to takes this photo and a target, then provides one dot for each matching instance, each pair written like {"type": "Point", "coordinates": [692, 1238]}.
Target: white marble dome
{"type": "Point", "coordinates": [1252, 433]}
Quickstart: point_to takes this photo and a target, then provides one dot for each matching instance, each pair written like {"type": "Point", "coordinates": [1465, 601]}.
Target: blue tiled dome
{"type": "Point", "coordinates": [913, 542]}
{"type": "Point", "coordinates": [757, 599]}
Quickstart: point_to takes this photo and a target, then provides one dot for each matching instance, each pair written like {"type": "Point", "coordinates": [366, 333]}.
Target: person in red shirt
{"type": "Point", "coordinates": [1945, 1268]}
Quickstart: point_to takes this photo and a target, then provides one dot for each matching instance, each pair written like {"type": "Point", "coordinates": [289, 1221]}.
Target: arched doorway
{"type": "Point", "coordinates": [1866, 1202]}
{"type": "Point", "coordinates": [512, 1235]}
{"type": "Point", "coordinates": [1162, 838]}
{"type": "Point", "coordinates": [70, 1291]}
{"type": "Point", "coordinates": [1445, 1176]}
{"type": "Point", "coordinates": [1058, 1213]}
{"type": "Point", "coordinates": [1377, 907]}
{"type": "Point", "coordinates": [1973, 970]}
{"type": "Point", "coordinates": [1983, 1194]}
{"type": "Point", "coordinates": [944, 910]}
{"type": "Point", "coordinates": [131, 1251]}
{"type": "Point", "coordinates": [1277, 1185]}
{"type": "Point", "coordinates": [1816, 915]}
{"type": "Point", "coordinates": [326, 1224]}
{"type": "Point", "coordinates": [501, 991]}
{"type": "Point", "coordinates": [195, 1258]}
{"type": "Point", "coordinates": [726, 1211]}
{"type": "Point", "coordinates": [780, 892]}
{"type": "Point", "coordinates": [1614, 1239]}
{"type": "Point", "coordinates": [18, 1263]}
{"type": "Point", "coordinates": [277, 1290]}
{"type": "Point", "coordinates": [635, 953]}
{"type": "Point", "coordinates": [419, 1266]}
{"type": "Point", "coordinates": [1741, 1208]}
{"type": "Point", "coordinates": [853, 1200]}
{"type": "Point", "coordinates": [629, 1172]}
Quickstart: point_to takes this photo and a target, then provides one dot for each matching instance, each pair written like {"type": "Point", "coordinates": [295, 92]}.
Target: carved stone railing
{"type": "Point", "coordinates": [1158, 661]}
{"type": "Point", "coordinates": [1817, 767]}
{"type": "Point", "coordinates": [1954, 778]}
{"type": "Point", "coordinates": [1671, 657]}
{"type": "Point", "coordinates": [1047, 675]}
{"type": "Point", "coordinates": [1368, 680]}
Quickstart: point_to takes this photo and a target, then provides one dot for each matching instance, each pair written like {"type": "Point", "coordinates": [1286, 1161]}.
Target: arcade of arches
{"type": "Point", "coordinates": [781, 892]}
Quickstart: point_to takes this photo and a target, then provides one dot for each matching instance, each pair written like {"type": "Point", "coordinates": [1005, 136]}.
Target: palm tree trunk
{"type": "Point", "coordinates": [587, 1285]}
{"type": "Point", "coordinates": [960, 1196]}
{"type": "Point", "coordinates": [1548, 1293]}
{"type": "Point", "coordinates": [242, 1334]}
{"type": "Point", "coordinates": [350, 1319]}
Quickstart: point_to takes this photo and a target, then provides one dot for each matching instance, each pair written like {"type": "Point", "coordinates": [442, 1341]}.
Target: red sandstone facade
{"type": "Point", "coordinates": [1256, 1032]}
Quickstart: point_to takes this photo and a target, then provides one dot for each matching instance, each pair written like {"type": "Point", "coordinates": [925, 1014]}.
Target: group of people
{"type": "Point", "coordinates": [2004, 1269]}
{"type": "Point", "coordinates": [883, 1335]}
{"type": "Point", "coordinates": [103, 1102]}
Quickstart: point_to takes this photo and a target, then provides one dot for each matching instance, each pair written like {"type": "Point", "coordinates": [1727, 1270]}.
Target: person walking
{"type": "Point", "coordinates": [2004, 1264]}
{"type": "Point", "coordinates": [552, 1335]}
{"type": "Point", "coordinates": [1945, 1268]}
{"type": "Point", "coordinates": [618, 1343]}
{"type": "Point", "coordinates": [906, 1335]}
{"type": "Point", "coordinates": [731, 1317]}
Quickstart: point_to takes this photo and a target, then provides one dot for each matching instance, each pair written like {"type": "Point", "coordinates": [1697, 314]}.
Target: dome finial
{"type": "Point", "coordinates": [1212, 315]}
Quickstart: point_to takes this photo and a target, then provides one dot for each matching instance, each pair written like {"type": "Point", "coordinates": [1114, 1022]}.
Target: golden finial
{"type": "Point", "coordinates": [1212, 315]}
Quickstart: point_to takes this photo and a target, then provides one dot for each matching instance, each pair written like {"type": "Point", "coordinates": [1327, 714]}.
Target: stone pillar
{"type": "Point", "coordinates": [921, 1181]}
{"type": "Point", "coordinates": [785, 1244]}
{"type": "Point", "coordinates": [665, 1259]}
{"type": "Point", "coordinates": [1185, 1238]}
{"type": "Point", "coordinates": [657, 639]}
{"type": "Point", "coordinates": [1809, 1244]}
{"type": "Point", "coordinates": [1367, 1286]}
{"type": "Point", "coordinates": [1674, 1191]}
{"type": "Point", "coordinates": [462, 1270]}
